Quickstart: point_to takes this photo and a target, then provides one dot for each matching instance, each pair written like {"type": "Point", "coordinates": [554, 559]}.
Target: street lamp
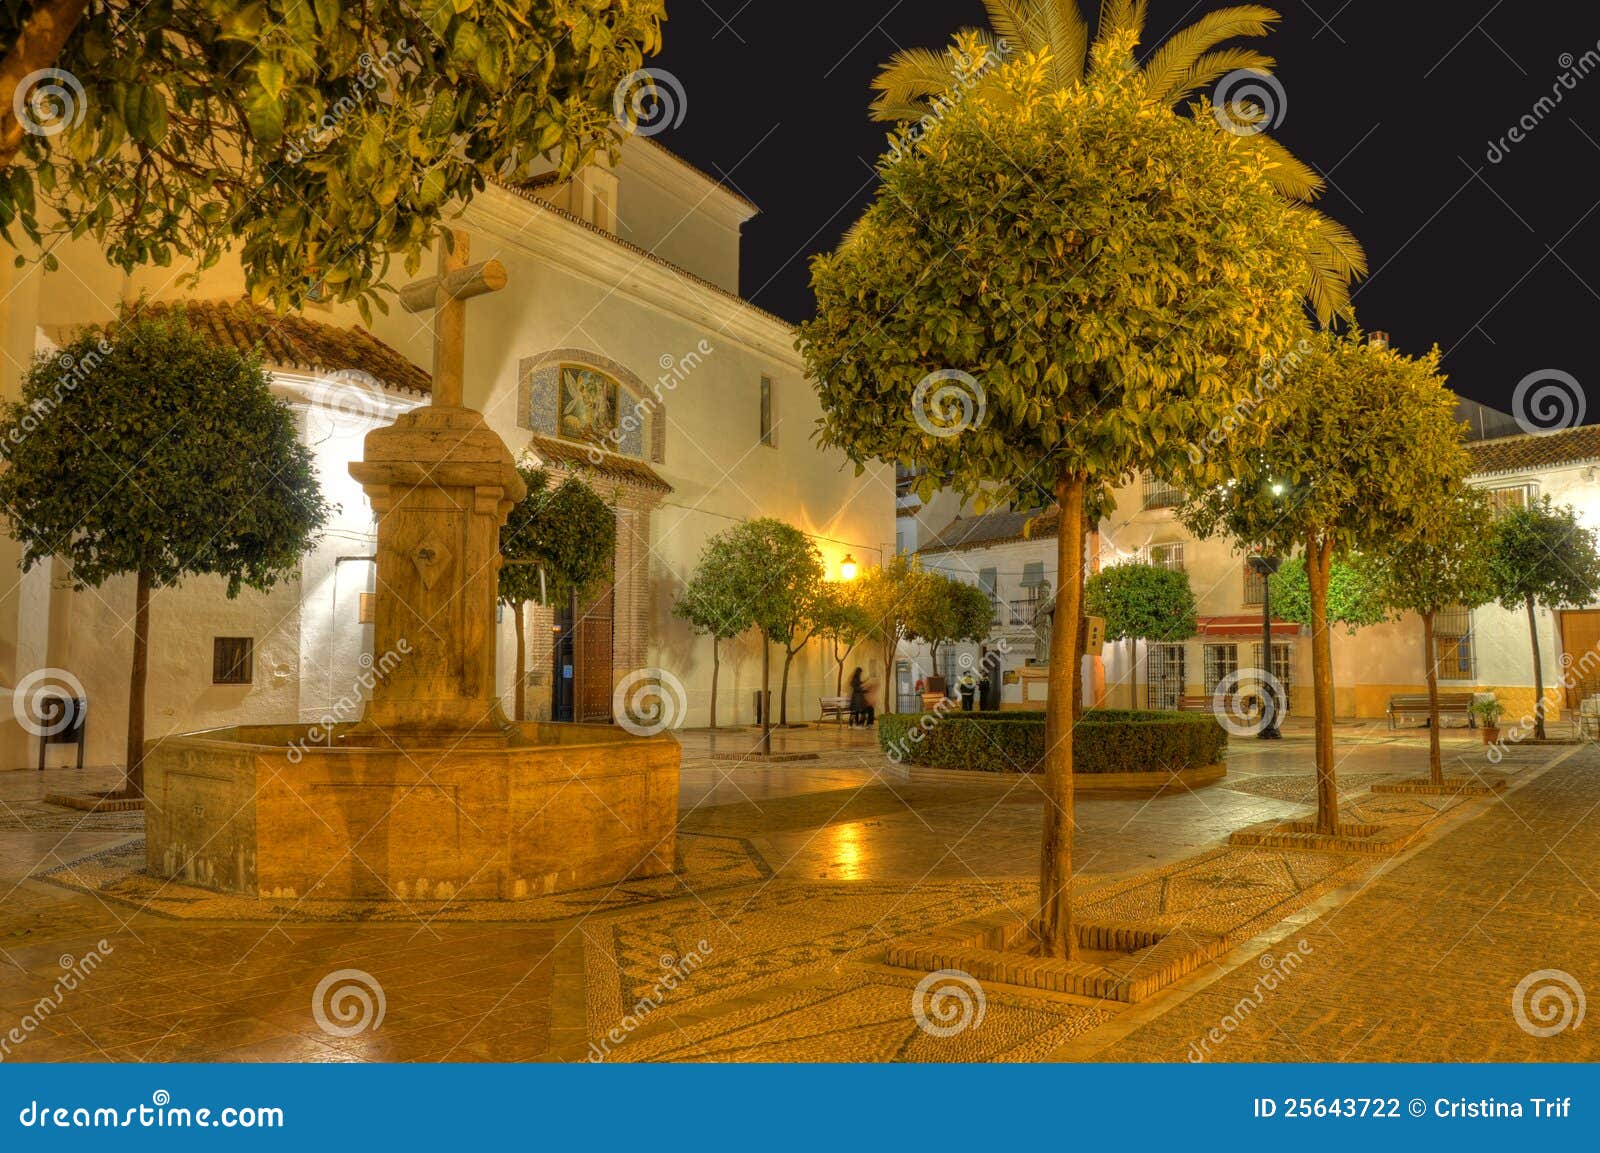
{"type": "Point", "coordinates": [1266, 566]}
{"type": "Point", "coordinates": [847, 567]}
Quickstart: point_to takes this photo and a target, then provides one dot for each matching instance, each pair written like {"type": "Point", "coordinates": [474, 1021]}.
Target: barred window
{"type": "Point", "coordinates": [1221, 661]}
{"type": "Point", "coordinates": [1168, 556]}
{"type": "Point", "coordinates": [1453, 652]}
{"type": "Point", "coordinates": [1503, 500]}
{"type": "Point", "coordinates": [1282, 662]}
{"type": "Point", "coordinates": [1159, 494]}
{"type": "Point", "coordinates": [1166, 678]}
{"type": "Point", "coordinates": [1255, 586]}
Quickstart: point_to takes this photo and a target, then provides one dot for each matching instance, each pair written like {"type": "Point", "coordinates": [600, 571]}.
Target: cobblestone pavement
{"type": "Point", "coordinates": [1425, 963]}
{"type": "Point", "coordinates": [769, 944]}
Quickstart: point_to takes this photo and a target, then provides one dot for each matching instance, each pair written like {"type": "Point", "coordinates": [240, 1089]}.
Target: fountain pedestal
{"type": "Point", "coordinates": [433, 794]}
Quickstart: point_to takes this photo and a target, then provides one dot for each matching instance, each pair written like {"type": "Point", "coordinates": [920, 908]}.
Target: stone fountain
{"type": "Point", "coordinates": [433, 794]}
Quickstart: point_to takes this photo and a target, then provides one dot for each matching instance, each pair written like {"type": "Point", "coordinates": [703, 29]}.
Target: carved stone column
{"type": "Point", "coordinates": [441, 482]}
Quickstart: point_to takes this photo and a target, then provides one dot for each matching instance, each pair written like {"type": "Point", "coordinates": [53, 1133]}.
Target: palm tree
{"type": "Point", "coordinates": [915, 80]}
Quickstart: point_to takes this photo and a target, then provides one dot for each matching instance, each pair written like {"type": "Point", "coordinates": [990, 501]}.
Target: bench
{"type": "Point", "coordinates": [934, 702]}
{"type": "Point", "coordinates": [1416, 705]}
{"type": "Point", "coordinates": [836, 708]}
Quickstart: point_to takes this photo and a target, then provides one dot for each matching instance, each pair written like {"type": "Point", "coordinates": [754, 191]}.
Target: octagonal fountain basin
{"type": "Point", "coordinates": [262, 810]}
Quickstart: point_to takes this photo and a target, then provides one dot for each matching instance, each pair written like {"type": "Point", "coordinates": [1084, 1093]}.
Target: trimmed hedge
{"type": "Point", "coordinates": [1105, 741]}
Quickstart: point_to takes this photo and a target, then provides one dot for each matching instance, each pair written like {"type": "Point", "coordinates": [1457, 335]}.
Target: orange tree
{"type": "Point", "coordinates": [1053, 287]}
{"type": "Point", "coordinates": [1354, 450]}
{"type": "Point", "coordinates": [1442, 563]}
{"type": "Point", "coordinates": [560, 538]}
{"type": "Point", "coordinates": [146, 450]}
{"type": "Point", "coordinates": [1542, 555]}
{"type": "Point", "coordinates": [316, 140]}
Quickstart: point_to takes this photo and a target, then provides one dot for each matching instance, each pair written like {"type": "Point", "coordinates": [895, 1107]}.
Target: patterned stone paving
{"type": "Point", "coordinates": [796, 877]}
{"type": "Point", "coordinates": [39, 817]}
{"type": "Point", "coordinates": [870, 1018]}
{"type": "Point", "coordinates": [705, 865]}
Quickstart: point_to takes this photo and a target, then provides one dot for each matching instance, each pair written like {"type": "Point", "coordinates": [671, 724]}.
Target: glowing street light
{"type": "Point", "coordinates": [847, 567]}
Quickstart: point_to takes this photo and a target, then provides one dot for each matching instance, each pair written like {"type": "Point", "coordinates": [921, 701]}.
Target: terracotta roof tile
{"type": "Point", "coordinates": [1522, 453]}
{"type": "Point", "coordinates": [579, 458]}
{"type": "Point", "coordinates": [297, 342]}
{"type": "Point", "coordinates": [992, 528]}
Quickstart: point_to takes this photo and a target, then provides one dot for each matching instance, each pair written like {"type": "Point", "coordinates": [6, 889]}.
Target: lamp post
{"type": "Point", "coordinates": [847, 567]}
{"type": "Point", "coordinates": [1266, 566]}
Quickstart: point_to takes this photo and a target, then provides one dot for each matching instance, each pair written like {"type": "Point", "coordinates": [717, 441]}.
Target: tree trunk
{"type": "Point", "coordinates": [1319, 566]}
{"type": "Point", "coordinates": [1133, 672]}
{"type": "Point", "coordinates": [1435, 759]}
{"type": "Point", "coordinates": [891, 682]}
{"type": "Point", "coordinates": [783, 688]}
{"type": "Point", "coordinates": [133, 785]}
{"type": "Point", "coordinates": [715, 669]}
{"type": "Point", "coordinates": [520, 698]}
{"type": "Point", "coordinates": [766, 695]}
{"type": "Point", "coordinates": [838, 679]}
{"type": "Point", "coordinates": [38, 45]}
{"type": "Point", "coordinates": [1056, 935]}
{"type": "Point", "coordinates": [1538, 673]}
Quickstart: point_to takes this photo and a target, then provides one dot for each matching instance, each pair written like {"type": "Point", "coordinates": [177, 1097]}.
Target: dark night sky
{"type": "Point", "coordinates": [1395, 101]}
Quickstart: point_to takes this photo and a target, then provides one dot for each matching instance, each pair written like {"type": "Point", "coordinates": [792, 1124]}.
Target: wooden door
{"type": "Point", "coordinates": [1580, 641]}
{"type": "Point", "coordinates": [594, 639]}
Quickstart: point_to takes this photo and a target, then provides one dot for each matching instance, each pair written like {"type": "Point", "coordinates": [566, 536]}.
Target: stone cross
{"type": "Point", "coordinates": [445, 295]}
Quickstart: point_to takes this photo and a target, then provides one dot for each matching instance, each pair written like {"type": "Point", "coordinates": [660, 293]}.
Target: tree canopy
{"type": "Point", "coordinates": [317, 139]}
{"type": "Point", "coordinates": [1443, 561]}
{"type": "Point", "coordinates": [1354, 450]}
{"type": "Point", "coordinates": [1045, 277]}
{"type": "Point", "coordinates": [917, 87]}
{"type": "Point", "coordinates": [1358, 593]}
{"type": "Point", "coordinates": [1543, 553]}
{"type": "Point", "coordinates": [143, 447]}
{"type": "Point", "coordinates": [950, 610]}
{"type": "Point", "coordinates": [558, 538]}
{"type": "Point", "coordinates": [1142, 602]}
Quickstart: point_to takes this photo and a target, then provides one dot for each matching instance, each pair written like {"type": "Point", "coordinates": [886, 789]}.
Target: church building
{"type": "Point", "coordinates": [619, 350]}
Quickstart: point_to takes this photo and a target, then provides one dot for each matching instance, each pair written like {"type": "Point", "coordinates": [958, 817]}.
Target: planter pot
{"type": "Point", "coordinates": [1491, 734]}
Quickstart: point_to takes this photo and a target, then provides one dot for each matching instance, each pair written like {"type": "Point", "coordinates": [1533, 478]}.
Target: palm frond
{"type": "Point", "coordinates": [1334, 262]}
{"type": "Point", "coordinates": [1184, 48]}
{"type": "Point", "coordinates": [1069, 39]}
{"type": "Point", "coordinates": [1291, 177]}
{"type": "Point", "coordinates": [1209, 68]}
{"type": "Point", "coordinates": [1122, 16]}
{"type": "Point", "coordinates": [912, 78]}
{"type": "Point", "coordinates": [1013, 20]}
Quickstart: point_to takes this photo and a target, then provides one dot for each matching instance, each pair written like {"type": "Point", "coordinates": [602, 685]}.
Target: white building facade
{"type": "Point", "coordinates": [620, 350]}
